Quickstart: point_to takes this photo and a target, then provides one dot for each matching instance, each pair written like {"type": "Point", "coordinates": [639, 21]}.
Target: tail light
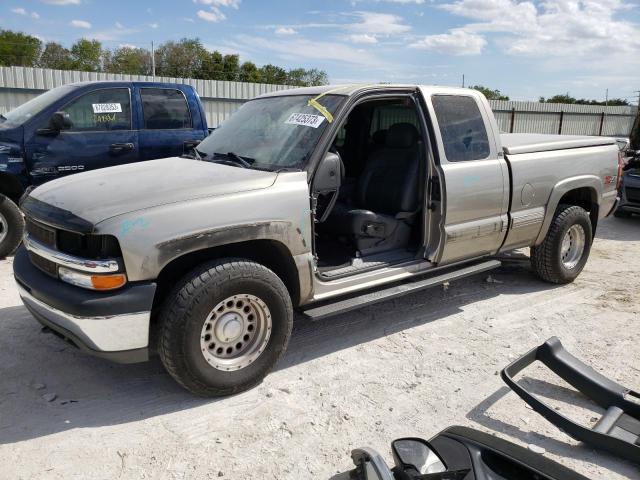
{"type": "Point", "coordinates": [620, 169]}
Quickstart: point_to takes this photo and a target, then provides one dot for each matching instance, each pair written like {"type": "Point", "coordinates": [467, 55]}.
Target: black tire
{"type": "Point", "coordinates": [13, 221]}
{"type": "Point", "coordinates": [621, 214]}
{"type": "Point", "coordinates": [184, 314]}
{"type": "Point", "coordinates": [546, 258]}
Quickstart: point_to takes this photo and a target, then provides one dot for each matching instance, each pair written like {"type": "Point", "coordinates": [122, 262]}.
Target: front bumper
{"type": "Point", "coordinates": [112, 325]}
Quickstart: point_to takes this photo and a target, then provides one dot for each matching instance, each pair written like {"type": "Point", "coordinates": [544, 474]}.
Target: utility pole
{"type": "Point", "coordinates": [153, 61]}
{"type": "Point", "coordinates": [463, 80]}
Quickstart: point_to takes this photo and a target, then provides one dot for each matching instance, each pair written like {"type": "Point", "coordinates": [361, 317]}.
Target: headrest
{"type": "Point", "coordinates": [402, 135]}
{"type": "Point", "coordinates": [380, 137]}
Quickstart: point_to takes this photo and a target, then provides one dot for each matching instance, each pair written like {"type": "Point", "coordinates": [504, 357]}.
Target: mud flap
{"type": "Point", "coordinates": [618, 431]}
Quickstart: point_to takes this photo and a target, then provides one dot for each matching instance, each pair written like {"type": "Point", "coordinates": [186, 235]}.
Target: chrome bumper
{"type": "Point", "coordinates": [114, 333]}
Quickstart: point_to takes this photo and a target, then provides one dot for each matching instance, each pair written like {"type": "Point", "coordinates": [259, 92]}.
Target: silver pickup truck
{"type": "Point", "coordinates": [319, 200]}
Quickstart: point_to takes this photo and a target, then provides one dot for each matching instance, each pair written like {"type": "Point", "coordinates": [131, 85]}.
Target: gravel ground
{"type": "Point", "coordinates": [412, 366]}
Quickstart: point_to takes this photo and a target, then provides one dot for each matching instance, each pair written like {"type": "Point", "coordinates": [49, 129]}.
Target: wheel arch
{"type": "Point", "coordinates": [584, 191]}
{"type": "Point", "coordinates": [11, 187]}
{"type": "Point", "coordinates": [273, 254]}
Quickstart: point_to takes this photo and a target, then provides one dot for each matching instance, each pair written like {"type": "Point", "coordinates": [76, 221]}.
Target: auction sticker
{"type": "Point", "coordinates": [306, 119]}
{"type": "Point", "coordinates": [106, 107]}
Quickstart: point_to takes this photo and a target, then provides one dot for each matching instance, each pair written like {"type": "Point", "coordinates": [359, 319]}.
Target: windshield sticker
{"type": "Point", "coordinates": [305, 119]}
{"type": "Point", "coordinates": [106, 107]}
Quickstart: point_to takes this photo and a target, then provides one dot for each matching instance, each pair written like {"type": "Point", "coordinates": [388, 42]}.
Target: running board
{"type": "Point", "coordinates": [351, 303]}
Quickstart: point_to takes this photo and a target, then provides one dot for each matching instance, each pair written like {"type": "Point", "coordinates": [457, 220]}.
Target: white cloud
{"type": "Point", "coordinates": [35, 15]}
{"type": "Point", "coordinates": [215, 15]}
{"type": "Point", "coordinates": [298, 48]}
{"type": "Point", "coordinates": [285, 31]}
{"type": "Point", "coordinates": [119, 25]}
{"type": "Point", "coordinates": [62, 2]}
{"type": "Point", "coordinates": [154, 25]}
{"type": "Point", "coordinates": [373, 23]}
{"type": "Point", "coordinates": [561, 28]}
{"type": "Point", "coordinates": [363, 38]}
{"type": "Point", "coordinates": [19, 11]}
{"type": "Point", "coordinates": [220, 3]}
{"type": "Point", "coordinates": [80, 24]}
{"type": "Point", "coordinates": [456, 42]}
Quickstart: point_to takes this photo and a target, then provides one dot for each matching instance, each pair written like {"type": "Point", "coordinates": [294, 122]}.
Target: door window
{"type": "Point", "coordinates": [101, 110]}
{"type": "Point", "coordinates": [165, 109]}
{"type": "Point", "coordinates": [462, 128]}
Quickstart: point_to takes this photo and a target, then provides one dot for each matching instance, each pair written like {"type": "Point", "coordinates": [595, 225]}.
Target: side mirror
{"type": "Point", "coordinates": [60, 121]}
{"type": "Point", "coordinates": [416, 454]}
{"type": "Point", "coordinates": [328, 176]}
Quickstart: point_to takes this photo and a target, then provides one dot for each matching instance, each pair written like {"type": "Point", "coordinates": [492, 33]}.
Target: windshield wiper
{"type": "Point", "coordinates": [236, 159]}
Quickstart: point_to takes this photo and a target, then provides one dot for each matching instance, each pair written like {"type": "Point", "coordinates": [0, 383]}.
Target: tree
{"type": "Point", "coordinates": [490, 94]}
{"type": "Point", "coordinates": [212, 67]}
{"type": "Point", "coordinates": [86, 55]}
{"type": "Point", "coordinates": [19, 49]}
{"type": "Point", "coordinates": [566, 98]}
{"type": "Point", "coordinates": [184, 58]}
{"type": "Point", "coordinates": [55, 56]}
{"type": "Point", "coordinates": [250, 73]}
{"type": "Point", "coordinates": [315, 77]}
{"type": "Point", "coordinates": [273, 74]}
{"type": "Point", "coordinates": [131, 60]}
{"type": "Point", "coordinates": [231, 67]}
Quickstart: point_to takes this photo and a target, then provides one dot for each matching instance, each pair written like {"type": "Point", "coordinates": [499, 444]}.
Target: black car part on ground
{"type": "Point", "coordinates": [617, 431]}
{"type": "Point", "coordinates": [468, 454]}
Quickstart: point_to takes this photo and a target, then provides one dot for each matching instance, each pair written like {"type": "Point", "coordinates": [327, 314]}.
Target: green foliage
{"type": "Point", "coordinates": [86, 55]}
{"type": "Point", "coordinates": [19, 49]}
{"type": "Point", "coordinates": [186, 58]}
{"type": "Point", "coordinates": [130, 60]}
{"type": "Point", "coordinates": [490, 94]}
{"type": "Point", "coordinates": [566, 98]}
{"type": "Point", "coordinates": [55, 56]}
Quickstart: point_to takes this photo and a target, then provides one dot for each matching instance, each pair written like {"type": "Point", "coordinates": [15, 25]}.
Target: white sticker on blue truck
{"type": "Point", "coordinates": [106, 107]}
{"type": "Point", "coordinates": [305, 119]}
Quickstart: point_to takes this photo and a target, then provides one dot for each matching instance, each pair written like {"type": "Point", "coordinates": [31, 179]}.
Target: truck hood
{"type": "Point", "coordinates": [97, 195]}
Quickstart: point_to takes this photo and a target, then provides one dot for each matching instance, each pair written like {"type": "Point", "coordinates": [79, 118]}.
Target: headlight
{"type": "Point", "coordinates": [92, 282]}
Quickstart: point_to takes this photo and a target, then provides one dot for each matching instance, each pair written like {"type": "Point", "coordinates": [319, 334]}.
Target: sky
{"type": "Point", "coordinates": [526, 49]}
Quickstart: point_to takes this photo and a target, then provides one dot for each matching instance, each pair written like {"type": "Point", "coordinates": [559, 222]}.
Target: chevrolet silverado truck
{"type": "Point", "coordinates": [318, 200]}
{"type": "Point", "coordinates": [89, 125]}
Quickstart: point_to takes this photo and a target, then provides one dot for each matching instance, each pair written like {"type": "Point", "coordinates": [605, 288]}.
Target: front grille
{"type": "Point", "coordinates": [633, 194]}
{"type": "Point", "coordinates": [41, 233]}
{"type": "Point", "coordinates": [43, 264]}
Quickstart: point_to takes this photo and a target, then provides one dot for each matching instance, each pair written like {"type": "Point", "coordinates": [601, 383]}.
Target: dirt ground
{"type": "Point", "coordinates": [412, 366]}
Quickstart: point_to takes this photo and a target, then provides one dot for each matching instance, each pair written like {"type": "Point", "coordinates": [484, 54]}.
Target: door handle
{"type": "Point", "coordinates": [117, 148]}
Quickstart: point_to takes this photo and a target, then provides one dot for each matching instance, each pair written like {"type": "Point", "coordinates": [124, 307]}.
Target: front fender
{"type": "Point", "coordinates": [592, 182]}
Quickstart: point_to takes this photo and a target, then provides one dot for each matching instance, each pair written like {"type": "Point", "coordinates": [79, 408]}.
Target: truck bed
{"type": "Point", "coordinates": [516, 143]}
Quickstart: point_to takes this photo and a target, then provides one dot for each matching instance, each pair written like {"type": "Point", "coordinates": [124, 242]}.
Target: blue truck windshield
{"type": "Point", "coordinates": [272, 133]}
{"type": "Point", "coordinates": [26, 111]}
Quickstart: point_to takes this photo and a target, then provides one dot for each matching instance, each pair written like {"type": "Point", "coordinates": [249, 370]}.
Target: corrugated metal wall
{"type": "Point", "coordinates": [222, 98]}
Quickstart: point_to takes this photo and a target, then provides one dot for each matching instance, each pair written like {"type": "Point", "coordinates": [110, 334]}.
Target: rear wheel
{"type": "Point", "coordinates": [11, 226]}
{"type": "Point", "coordinates": [225, 326]}
{"type": "Point", "coordinates": [564, 252]}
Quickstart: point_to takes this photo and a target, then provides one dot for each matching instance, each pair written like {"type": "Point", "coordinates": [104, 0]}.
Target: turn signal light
{"type": "Point", "coordinates": [108, 282]}
{"type": "Point", "coordinates": [92, 282]}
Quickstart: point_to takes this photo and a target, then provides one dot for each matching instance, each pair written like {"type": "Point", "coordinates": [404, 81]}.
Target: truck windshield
{"type": "Point", "coordinates": [272, 133]}
{"type": "Point", "coordinates": [24, 112]}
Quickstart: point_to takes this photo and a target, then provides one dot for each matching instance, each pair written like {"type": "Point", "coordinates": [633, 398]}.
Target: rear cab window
{"type": "Point", "coordinates": [165, 109]}
{"type": "Point", "coordinates": [100, 110]}
{"type": "Point", "coordinates": [464, 133]}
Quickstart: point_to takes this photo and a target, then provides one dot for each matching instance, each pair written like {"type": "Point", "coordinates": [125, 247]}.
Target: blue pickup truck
{"type": "Point", "coordinates": [89, 125]}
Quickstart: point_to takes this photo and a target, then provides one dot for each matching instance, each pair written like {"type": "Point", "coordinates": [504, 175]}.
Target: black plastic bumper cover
{"type": "Point", "coordinates": [618, 431]}
{"type": "Point", "coordinates": [135, 297]}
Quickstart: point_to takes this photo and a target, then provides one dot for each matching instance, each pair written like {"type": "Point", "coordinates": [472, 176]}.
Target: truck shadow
{"type": "Point", "coordinates": [572, 449]}
{"type": "Point", "coordinates": [619, 229]}
{"type": "Point", "coordinates": [91, 392]}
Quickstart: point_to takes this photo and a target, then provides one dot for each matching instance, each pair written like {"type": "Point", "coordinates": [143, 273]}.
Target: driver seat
{"type": "Point", "coordinates": [387, 195]}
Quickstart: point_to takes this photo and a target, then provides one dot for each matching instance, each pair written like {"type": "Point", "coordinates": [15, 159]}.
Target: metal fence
{"type": "Point", "coordinates": [222, 98]}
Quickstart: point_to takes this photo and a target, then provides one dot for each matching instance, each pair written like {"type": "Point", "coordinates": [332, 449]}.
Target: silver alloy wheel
{"type": "Point", "coordinates": [236, 332]}
{"type": "Point", "coordinates": [4, 228]}
{"type": "Point", "coordinates": [573, 245]}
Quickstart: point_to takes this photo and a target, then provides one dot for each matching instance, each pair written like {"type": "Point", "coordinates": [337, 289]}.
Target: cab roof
{"type": "Point", "coordinates": [348, 90]}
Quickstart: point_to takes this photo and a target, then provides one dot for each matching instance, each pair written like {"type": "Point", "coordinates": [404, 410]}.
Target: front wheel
{"type": "Point", "coordinates": [564, 251]}
{"type": "Point", "coordinates": [11, 226]}
{"type": "Point", "coordinates": [225, 326]}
